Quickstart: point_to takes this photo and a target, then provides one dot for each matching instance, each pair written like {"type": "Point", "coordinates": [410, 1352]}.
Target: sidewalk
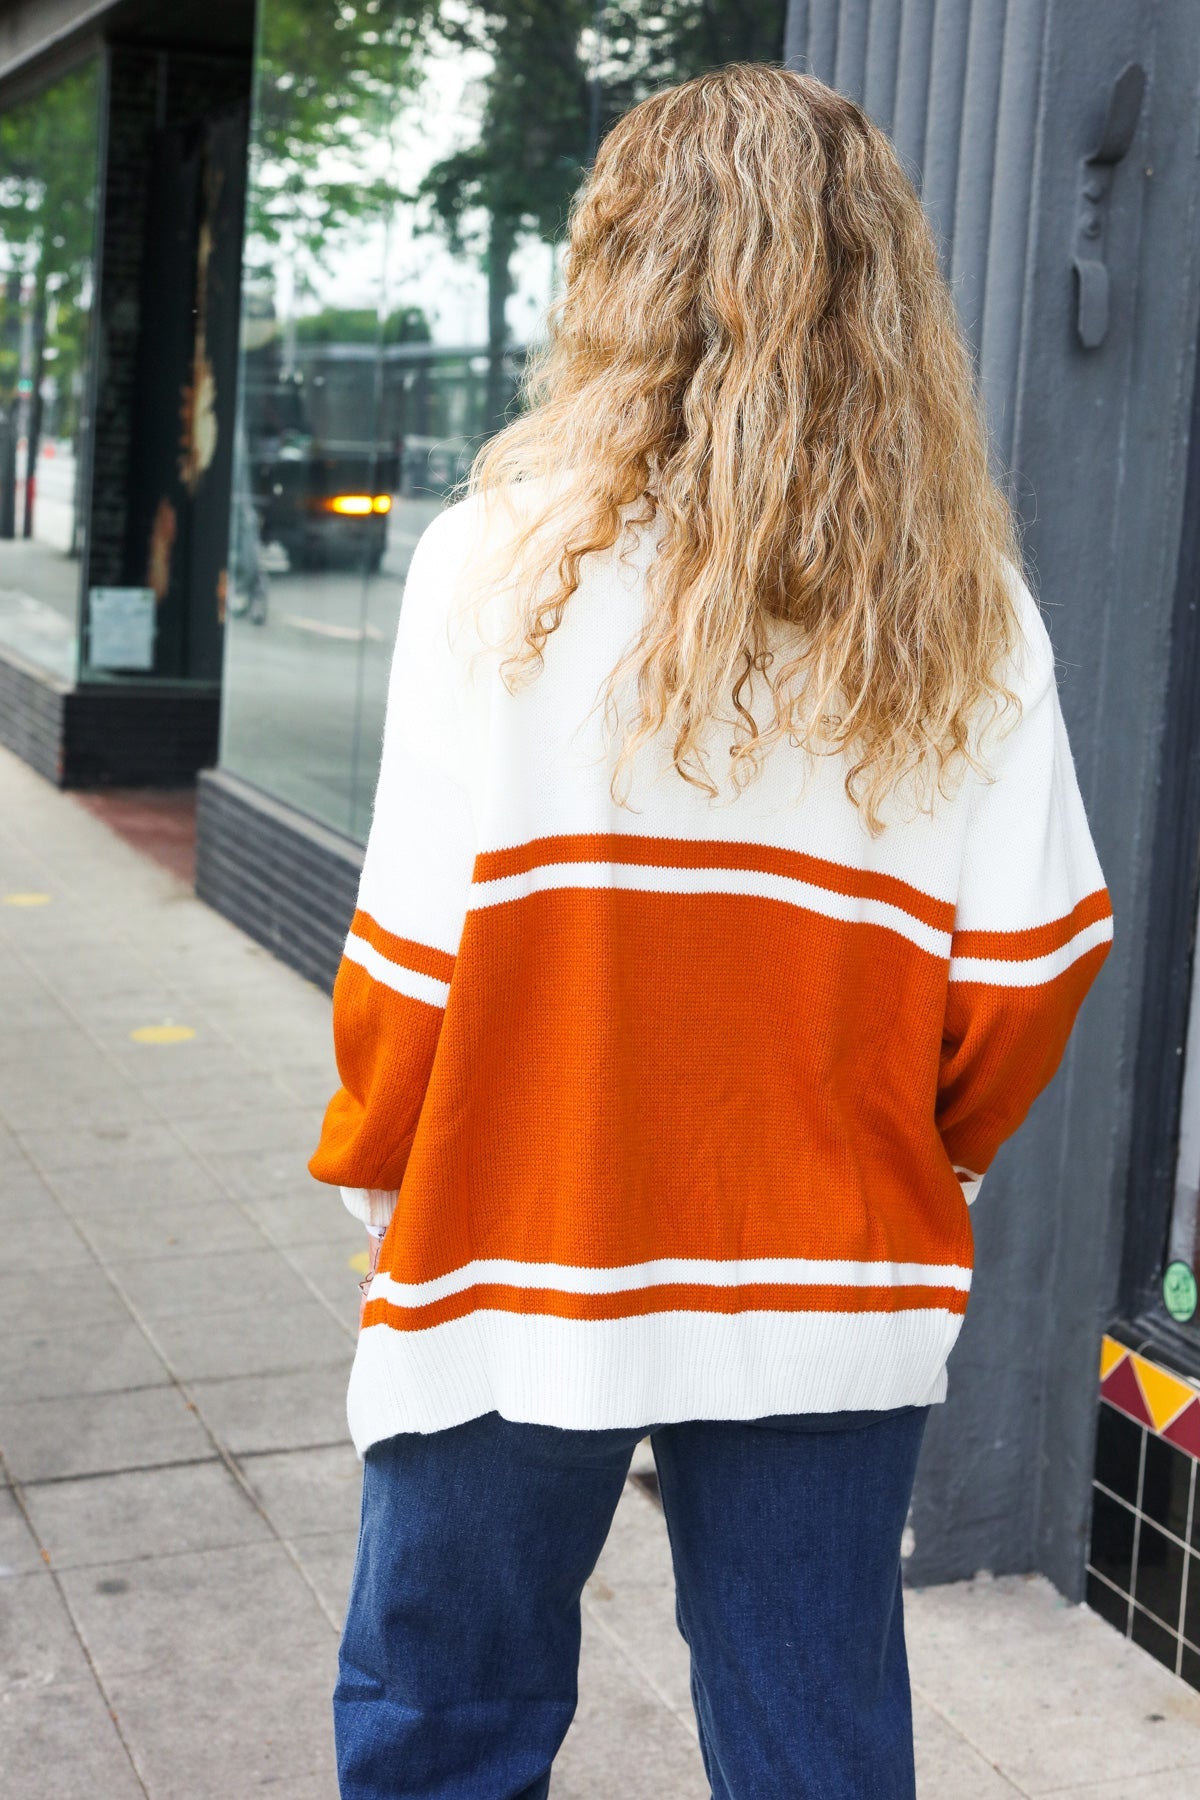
{"type": "Point", "coordinates": [179, 1504]}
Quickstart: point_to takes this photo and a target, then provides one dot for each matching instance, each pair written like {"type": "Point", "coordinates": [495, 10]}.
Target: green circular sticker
{"type": "Point", "coordinates": [1179, 1292]}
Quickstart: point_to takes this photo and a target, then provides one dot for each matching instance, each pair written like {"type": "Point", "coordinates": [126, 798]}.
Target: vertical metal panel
{"type": "Point", "coordinates": [851, 64]}
{"type": "Point", "coordinates": [795, 35]}
{"type": "Point", "coordinates": [1008, 234]}
{"type": "Point", "coordinates": [823, 18]}
{"type": "Point", "coordinates": [976, 161]}
{"type": "Point", "coordinates": [943, 117]}
{"type": "Point", "coordinates": [913, 54]}
{"type": "Point", "coordinates": [883, 42]}
{"type": "Point", "coordinates": [995, 102]}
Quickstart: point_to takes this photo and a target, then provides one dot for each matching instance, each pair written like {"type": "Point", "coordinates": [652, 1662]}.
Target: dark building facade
{"type": "Point", "coordinates": [239, 378]}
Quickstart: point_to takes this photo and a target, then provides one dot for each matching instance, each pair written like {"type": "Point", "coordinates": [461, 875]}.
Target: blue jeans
{"type": "Point", "coordinates": [459, 1655]}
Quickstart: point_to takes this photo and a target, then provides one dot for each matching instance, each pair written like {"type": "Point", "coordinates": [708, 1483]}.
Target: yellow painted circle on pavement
{"type": "Point", "coordinates": [360, 1263]}
{"type": "Point", "coordinates": [162, 1034]}
{"type": "Point", "coordinates": [26, 899]}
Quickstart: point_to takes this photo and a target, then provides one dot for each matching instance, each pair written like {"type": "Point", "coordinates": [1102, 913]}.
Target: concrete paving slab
{"type": "Point", "coordinates": [308, 1217]}
{"type": "Point", "coordinates": [296, 1410]}
{"type": "Point", "coordinates": [220, 1732]}
{"type": "Point", "coordinates": [174, 1231]}
{"type": "Point", "coordinates": [59, 1044]}
{"type": "Point", "coordinates": [640, 1623]}
{"type": "Point", "coordinates": [289, 1128]}
{"type": "Point", "coordinates": [328, 1268]}
{"type": "Point", "coordinates": [310, 1087]}
{"type": "Point", "coordinates": [88, 1434]}
{"type": "Point", "coordinates": [38, 1641]}
{"type": "Point", "coordinates": [87, 1147]}
{"type": "Point", "coordinates": [89, 1071]}
{"type": "Point", "coordinates": [637, 1552]}
{"type": "Point", "coordinates": [100, 971]}
{"type": "Point", "coordinates": [623, 1741]}
{"type": "Point", "coordinates": [218, 1282]}
{"type": "Point", "coordinates": [157, 1070]}
{"type": "Point", "coordinates": [180, 1177]}
{"type": "Point", "coordinates": [61, 1359]}
{"type": "Point", "coordinates": [27, 1302]}
{"type": "Point", "coordinates": [174, 1612]}
{"type": "Point", "coordinates": [247, 1175]}
{"type": "Point", "coordinates": [20, 1553]}
{"type": "Point", "coordinates": [631, 1597]}
{"type": "Point", "coordinates": [143, 1513]}
{"type": "Point", "coordinates": [254, 1340]}
{"type": "Point", "coordinates": [307, 1491]}
{"type": "Point", "coordinates": [60, 1743]}
{"type": "Point", "coordinates": [28, 1008]}
{"type": "Point", "coordinates": [327, 1558]}
{"type": "Point", "coordinates": [1035, 1684]}
{"type": "Point", "coordinates": [220, 1096]}
{"type": "Point", "coordinates": [45, 1244]}
{"type": "Point", "coordinates": [948, 1768]}
{"type": "Point", "coordinates": [1165, 1784]}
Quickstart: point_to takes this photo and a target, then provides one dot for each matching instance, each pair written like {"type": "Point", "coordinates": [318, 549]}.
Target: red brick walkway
{"type": "Point", "coordinates": [159, 823]}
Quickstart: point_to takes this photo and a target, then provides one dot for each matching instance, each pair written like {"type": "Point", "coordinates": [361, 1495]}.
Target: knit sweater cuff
{"type": "Point", "coordinates": [371, 1206]}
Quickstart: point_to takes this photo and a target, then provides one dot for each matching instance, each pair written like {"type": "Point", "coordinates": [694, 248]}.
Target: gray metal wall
{"type": "Point", "coordinates": [993, 104]}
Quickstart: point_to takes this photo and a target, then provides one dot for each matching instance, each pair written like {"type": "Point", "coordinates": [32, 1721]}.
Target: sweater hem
{"type": "Point", "coordinates": [649, 1370]}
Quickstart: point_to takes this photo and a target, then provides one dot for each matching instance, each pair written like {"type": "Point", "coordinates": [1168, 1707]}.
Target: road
{"type": "Point", "coordinates": [305, 690]}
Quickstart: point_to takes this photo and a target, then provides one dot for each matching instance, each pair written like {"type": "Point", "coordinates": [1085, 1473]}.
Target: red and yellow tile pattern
{"type": "Point", "coordinates": [1166, 1403]}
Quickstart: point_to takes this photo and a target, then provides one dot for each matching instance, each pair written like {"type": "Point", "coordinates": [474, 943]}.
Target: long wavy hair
{"type": "Point", "coordinates": [755, 351]}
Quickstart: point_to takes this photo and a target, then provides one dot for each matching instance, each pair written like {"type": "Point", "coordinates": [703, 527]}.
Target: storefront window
{"type": "Point", "coordinates": [411, 170]}
{"type": "Point", "coordinates": [48, 168]}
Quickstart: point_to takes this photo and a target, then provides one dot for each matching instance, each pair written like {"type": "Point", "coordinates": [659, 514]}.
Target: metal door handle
{"type": "Point", "coordinates": [1092, 281]}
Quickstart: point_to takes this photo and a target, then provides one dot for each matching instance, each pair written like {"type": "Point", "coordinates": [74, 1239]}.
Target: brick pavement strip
{"type": "Point", "coordinates": [179, 1496]}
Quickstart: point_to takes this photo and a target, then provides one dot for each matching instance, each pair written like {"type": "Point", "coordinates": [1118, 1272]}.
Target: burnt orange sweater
{"type": "Point", "coordinates": [676, 1109]}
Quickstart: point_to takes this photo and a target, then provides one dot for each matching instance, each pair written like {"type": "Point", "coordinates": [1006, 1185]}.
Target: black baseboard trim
{"type": "Point", "coordinates": [289, 883]}
{"type": "Point", "coordinates": [123, 734]}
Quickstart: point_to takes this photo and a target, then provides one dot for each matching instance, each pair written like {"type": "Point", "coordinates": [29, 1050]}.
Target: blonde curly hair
{"type": "Point", "coordinates": [755, 350]}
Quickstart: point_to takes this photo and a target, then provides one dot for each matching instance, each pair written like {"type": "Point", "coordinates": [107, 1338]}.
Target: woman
{"type": "Point", "coordinates": [728, 900]}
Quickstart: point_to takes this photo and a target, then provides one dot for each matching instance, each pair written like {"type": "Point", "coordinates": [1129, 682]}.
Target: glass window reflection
{"type": "Point", "coordinates": [411, 173]}
{"type": "Point", "coordinates": [48, 168]}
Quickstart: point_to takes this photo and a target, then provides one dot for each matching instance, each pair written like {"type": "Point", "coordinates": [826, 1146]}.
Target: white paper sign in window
{"type": "Point", "coordinates": [121, 628]}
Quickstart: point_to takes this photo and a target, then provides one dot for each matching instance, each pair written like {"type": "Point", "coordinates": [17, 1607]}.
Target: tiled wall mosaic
{"type": "Point", "coordinates": [1144, 1564]}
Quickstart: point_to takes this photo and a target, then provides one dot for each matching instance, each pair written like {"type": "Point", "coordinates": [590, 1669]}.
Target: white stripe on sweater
{"type": "Point", "coordinates": [655, 879]}
{"type": "Point", "coordinates": [394, 975]}
{"type": "Point", "coordinates": [1033, 971]}
{"type": "Point", "coordinates": [646, 1370]}
{"type": "Point", "coordinates": [568, 1279]}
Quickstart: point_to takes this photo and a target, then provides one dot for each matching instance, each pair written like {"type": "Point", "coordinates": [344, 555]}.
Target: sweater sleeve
{"type": "Point", "coordinates": [394, 976]}
{"type": "Point", "coordinates": [1033, 924]}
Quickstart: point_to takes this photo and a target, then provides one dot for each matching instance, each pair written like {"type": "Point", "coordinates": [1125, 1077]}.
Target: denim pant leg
{"type": "Point", "coordinates": [460, 1653]}
{"type": "Point", "coordinates": [785, 1535]}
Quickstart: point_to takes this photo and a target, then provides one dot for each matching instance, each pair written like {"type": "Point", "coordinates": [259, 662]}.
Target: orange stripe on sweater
{"type": "Point", "coordinates": [692, 853]}
{"type": "Point", "coordinates": [385, 1045]}
{"type": "Point", "coordinates": [1006, 1043]}
{"type": "Point", "coordinates": [670, 1297]}
{"type": "Point", "coordinates": [422, 958]}
{"type": "Point", "coordinates": [1037, 940]}
{"type": "Point", "coordinates": [623, 1076]}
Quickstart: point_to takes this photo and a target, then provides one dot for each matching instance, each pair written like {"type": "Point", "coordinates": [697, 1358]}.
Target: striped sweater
{"type": "Point", "coordinates": [676, 1108]}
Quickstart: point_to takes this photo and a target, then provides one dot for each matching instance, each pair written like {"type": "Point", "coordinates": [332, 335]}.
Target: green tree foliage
{"type": "Point", "coordinates": [562, 72]}
{"type": "Point", "coordinates": [330, 75]}
{"type": "Point", "coordinates": [48, 150]}
{"type": "Point", "coordinates": [360, 325]}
